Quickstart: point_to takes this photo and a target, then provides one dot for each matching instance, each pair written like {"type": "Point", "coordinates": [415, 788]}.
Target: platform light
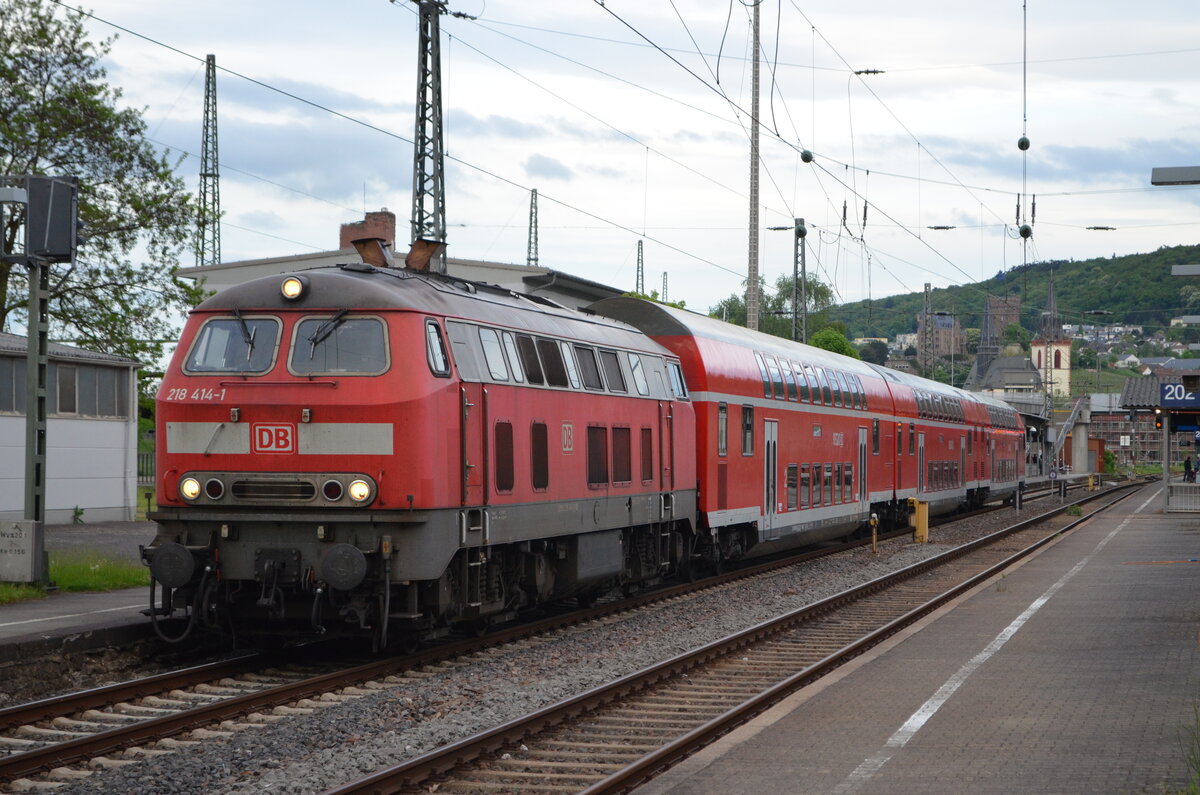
{"type": "Point", "coordinates": [293, 288]}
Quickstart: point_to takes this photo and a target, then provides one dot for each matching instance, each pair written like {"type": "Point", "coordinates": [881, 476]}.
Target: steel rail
{"type": "Point", "coordinates": [416, 771]}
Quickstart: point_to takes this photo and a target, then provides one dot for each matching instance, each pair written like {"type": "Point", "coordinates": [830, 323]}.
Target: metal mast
{"type": "Point", "coordinates": [208, 244]}
{"type": "Point", "coordinates": [927, 340]}
{"type": "Point", "coordinates": [640, 287]}
{"type": "Point", "coordinates": [531, 257]}
{"type": "Point", "coordinates": [664, 292]}
{"type": "Point", "coordinates": [429, 185]}
{"type": "Point", "coordinates": [752, 270]}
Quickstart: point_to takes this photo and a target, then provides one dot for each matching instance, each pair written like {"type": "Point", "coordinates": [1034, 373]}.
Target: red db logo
{"type": "Point", "coordinates": [274, 438]}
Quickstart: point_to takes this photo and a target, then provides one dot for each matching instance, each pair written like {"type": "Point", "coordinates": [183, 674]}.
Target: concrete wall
{"type": "Point", "coordinates": [90, 463]}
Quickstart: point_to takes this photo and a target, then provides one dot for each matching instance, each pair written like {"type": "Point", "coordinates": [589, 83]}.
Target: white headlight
{"type": "Point", "coordinates": [189, 488]}
{"type": "Point", "coordinates": [293, 287]}
{"type": "Point", "coordinates": [359, 490]}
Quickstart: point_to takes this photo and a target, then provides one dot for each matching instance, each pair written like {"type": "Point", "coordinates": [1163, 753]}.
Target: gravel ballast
{"type": "Point", "coordinates": [428, 709]}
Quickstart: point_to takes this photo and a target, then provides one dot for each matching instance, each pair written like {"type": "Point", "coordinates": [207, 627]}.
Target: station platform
{"type": "Point", "coordinates": [1077, 671]}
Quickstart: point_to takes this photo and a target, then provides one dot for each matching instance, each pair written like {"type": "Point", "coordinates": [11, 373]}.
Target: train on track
{"type": "Point", "coordinates": [401, 454]}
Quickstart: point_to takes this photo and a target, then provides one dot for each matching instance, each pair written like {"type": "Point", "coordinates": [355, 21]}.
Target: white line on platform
{"type": "Point", "coordinates": [867, 770]}
{"type": "Point", "coordinates": [71, 615]}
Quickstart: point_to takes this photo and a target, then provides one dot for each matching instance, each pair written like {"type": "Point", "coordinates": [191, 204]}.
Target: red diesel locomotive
{"type": "Point", "coordinates": [397, 453]}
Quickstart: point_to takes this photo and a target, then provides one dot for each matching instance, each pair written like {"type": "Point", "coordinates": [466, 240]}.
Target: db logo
{"type": "Point", "coordinates": [274, 438]}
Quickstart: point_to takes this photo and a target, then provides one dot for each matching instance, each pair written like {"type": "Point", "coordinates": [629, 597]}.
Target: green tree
{"type": "Point", "coordinates": [971, 338]}
{"type": "Point", "coordinates": [832, 340]}
{"type": "Point", "coordinates": [874, 351]}
{"type": "Point", "coordinates": [59, 117]}
{"type": "Point", "coordinates": [1016, 334]}
{"type": "Point", "coordinates": [775, 307]}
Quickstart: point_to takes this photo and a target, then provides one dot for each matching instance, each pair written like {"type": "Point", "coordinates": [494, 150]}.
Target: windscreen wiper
{"type": "Point", "coordinates": [247, 334]}
{"type": "Point", "coordinates": [325, 329]}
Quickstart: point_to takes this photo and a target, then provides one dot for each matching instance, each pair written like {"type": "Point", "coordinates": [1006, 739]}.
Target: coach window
{"type": "Point", "coordinates": [529, 359]}
{"type": "Point", "coordinates": [828, 484]}
{"type": "Point", "coordinates": [848, 482]}
{"type": "Point", "coordinates": [762, 371]}
{"type": "Point", "coordinates": [805, 486]}
{"type": "Point", "coordinates": [551, 356]}
{"type": "Point", "coordinates": [622, 456]}
{"type": "Point", "coordinates": [612, 371]}
{"type": "Point", "coordinates": [837, 483]}
{"type": "Point", "coordinates": [837, 389]}
{"type": "Point", "coordinates": [647, 452]}
{"type": "Point", "coordinates": [776, 378]}
{"type": "Point", "coordinates": [639, 374]}
{"type": "Point", "coordinates": [597, 455]}
{"type": "Point", "coordinates": [826, 392]}
{"type": "Point", "coordinates": [747, 430]}
{"type": "Point", "coordinates": [569, 361]}
{"type": "Point", "coordinates": [493, 353]}
{"type": "Point", "coordinates": [874, 437]}
{"type": "Point", "coordinates": [504, 456]}
{"type": "Point", "coordinates": [801, 382]}
{"type": "Point", "coordinates": [514, 361]}
{"type": "Point", "coordinates": [792, 486]}
{"type": "Point", "coordinates": [539, 456]}
{"type": "Point", "coordinates": [817, 498]}
{"type": "Point", "coordinates": [722, 428]}
{"type": "Point", "coordinates": [790, 379]}
{"type": "Point", "coordinates": [588, 368]}
{"type": "Point", "coordinates": [234, 345]}
{"type": "Point", "coordinates": [970, 441]}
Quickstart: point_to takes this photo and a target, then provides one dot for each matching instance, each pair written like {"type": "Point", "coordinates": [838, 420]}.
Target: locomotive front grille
{"type": "Point", "coordinates": [298, 490]}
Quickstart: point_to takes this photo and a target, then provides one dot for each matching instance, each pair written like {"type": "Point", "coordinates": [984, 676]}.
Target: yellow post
{"type": "Point", "coordinates": [919, 520]}
{"type": "Point", "coordinates": [874, 534]}
{"type": "Point", "coordinates": [1091, 482]}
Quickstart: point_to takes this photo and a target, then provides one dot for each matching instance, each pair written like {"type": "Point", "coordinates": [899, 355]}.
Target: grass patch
{"type": "Point", "coordinates": [13, 592]}
{"type": "Point", "coordinates": [73, 570]}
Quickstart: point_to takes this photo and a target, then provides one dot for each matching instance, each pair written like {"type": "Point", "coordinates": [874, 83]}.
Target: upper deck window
{"type": "Point", "coordinates": [234, 345]}
{"type": "Point", "coordinates": [353, 346]}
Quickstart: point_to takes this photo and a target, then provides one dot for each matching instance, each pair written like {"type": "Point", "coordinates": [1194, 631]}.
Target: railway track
{"type": "Point", "coordinates": [618, 736]}
{"type": "Point", "coordinates": [61, 739]}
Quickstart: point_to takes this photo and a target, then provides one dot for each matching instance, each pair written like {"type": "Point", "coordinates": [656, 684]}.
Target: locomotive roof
{"type": "Point", "coordinates": [364, 287]}
{"type": "Point", "coordinates": [661, 320]}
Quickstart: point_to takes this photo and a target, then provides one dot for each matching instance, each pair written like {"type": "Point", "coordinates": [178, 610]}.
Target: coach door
{"type": "Point", "coordinates": [962, 461]}
{"type": "Point", "coordinates": [920, 463]}
{"type": "Point", "coordinates": [770, 479]}
{"type": "Point", "coordinates": [473, 443]}
{"type": "Point", "coordinates": [863, 481]}
{"type": "Point", "coordinates": [666, 459]}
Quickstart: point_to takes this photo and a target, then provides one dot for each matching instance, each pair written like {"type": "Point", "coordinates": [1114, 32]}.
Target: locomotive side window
{"type": "Point", "coordinates": [539, 457]}
{"type": "Point", "coordinates": [622, 455]}
{"type": "Point", "coordinates": [747, 430]}
{"type": "Point", "coordinates": [504, 456]}
{"type": "Point", "coordinates": [588, 368]}
{"type": "Point", "coordinates": [762, 371]}
{"type": "Point", "coordinates": [639, 374]}
{"type": "Point", "coordinates": [355, 345]}
{"type": "Point", "coordinates": [234, 345]}
{"type": "Point", "coordinates": [556, 371]}
{"type": "Point", "coordinates": [514, 361]}
{"type": "Point", "coordinates": [677, 383]}
{"type": "Point", "coordinates": [647, 455]}
{"type": "Point", "coordinates": [612, 371]}
{"type": "Point", "coordinates": [493, 353]}
{"type": "Point", "coordinates": [529, 359]}
{"type": "Point", "coordinates": [722, 428]}
{"type": "Point", "coordinates": [597, 455]}
{"type": "Point", "coordinates": [569, 360]}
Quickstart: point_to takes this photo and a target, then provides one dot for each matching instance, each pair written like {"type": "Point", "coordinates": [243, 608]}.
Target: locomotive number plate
{"type": "Point", "coordinates": [273, 438]}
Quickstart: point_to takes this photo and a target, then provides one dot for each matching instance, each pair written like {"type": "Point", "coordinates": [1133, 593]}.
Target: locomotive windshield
{"type": "Point", "coordinates": [234, 345]}
{"type": "Point", "coordinates": [339, 344]}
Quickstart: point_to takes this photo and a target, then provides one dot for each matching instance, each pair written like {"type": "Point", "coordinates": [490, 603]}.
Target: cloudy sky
{"type": "Point", "coordinates": [631, 119]}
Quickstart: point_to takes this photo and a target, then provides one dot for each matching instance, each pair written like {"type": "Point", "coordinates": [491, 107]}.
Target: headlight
{"type": "Point", "coordinates": [359, 490]}
{"type": "Point", "coordinates": [189, 488]}
{"type": "Point", "coordinates": [293, 287]}
{"type": "Point", "coordinates": [332, 489]}
{"type": "Point", "coordinates": [214, 488]}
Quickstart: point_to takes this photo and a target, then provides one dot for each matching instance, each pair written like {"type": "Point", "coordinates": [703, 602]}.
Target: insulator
{"type": "Point", "coordinates": [1023, 143]}
{"type": "Point", "coordinates": [806, 156]}
{"type": "Point", "coordinates": [1026, 231]}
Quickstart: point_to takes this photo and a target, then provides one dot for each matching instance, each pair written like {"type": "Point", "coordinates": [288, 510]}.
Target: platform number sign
{"type": "Point", "coordinates": [1177, 396]}
{"type": "Point", "coordinates": [568, 437]}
